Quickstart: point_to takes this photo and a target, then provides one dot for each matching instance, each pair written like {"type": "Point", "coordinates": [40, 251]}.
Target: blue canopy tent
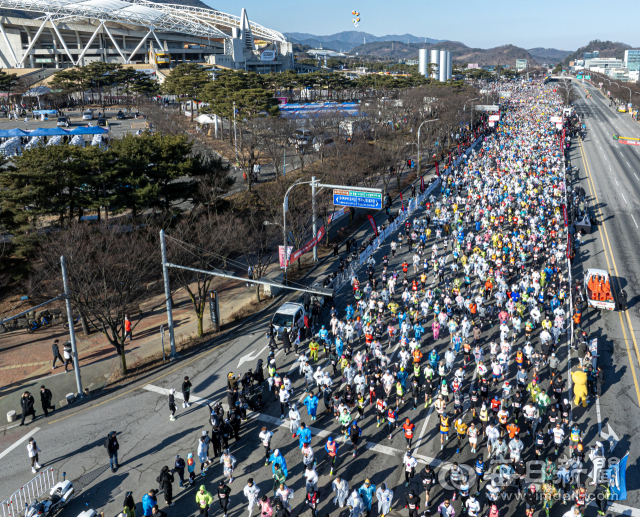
{"type": "Point", "coordinates": [12, 132]}
{"type": "Point", "coordinates": [53, 131]}
{"type": "Point", "coordinates": [47, 131]}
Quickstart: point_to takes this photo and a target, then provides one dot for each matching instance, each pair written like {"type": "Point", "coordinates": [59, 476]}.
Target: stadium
{"type": "Point", "coordinates": [65, 33]}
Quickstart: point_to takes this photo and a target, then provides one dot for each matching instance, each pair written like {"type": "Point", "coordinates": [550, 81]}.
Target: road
{"type": "Point", "coordinates": [72, 442]}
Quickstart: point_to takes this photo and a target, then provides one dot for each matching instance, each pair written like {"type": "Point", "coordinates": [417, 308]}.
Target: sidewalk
{"type": "Point", "coordinates": [27, 358]}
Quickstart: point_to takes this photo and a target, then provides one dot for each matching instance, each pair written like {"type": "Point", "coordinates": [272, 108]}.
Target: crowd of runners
{"type": "Point", "coordinates": [465, 314]}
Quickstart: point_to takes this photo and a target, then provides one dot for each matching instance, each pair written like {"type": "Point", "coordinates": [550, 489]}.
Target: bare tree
{"type": "Point", "coordinates": [201, 241]}
{"type": "Point", "coordinates": [112, 272]}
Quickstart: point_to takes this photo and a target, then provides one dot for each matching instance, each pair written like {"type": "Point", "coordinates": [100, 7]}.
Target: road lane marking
{"type": "Point", "coordinates": [635, 175]}
{"type": "Point", "coordinates": [634, 220]}
{"type": "Point", "coordinates": [625, 200]}
{"type": "Point", "coordinates": [616, 181]}
{"type": "Point", "coordinates": [21, 440]}
{"type": "Point", "coordinates": [592, 188]}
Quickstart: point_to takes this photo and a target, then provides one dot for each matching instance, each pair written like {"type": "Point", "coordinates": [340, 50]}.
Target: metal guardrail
{"type": "Point", "coordinates": [16, 504]}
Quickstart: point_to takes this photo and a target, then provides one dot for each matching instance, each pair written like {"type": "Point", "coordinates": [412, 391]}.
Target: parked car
{"type": "Point", "coordinates": [87, 115]}
{"type": "Point", "coordinates": [120, 116]}
{"type": "Point", "coordinates": [63, 122]}
{"type": "Point", "coordinates": [102, 121]}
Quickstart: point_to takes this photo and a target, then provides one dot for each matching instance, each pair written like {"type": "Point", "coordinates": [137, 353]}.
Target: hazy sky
{"type": "Point", "coordinates": [534, 23]}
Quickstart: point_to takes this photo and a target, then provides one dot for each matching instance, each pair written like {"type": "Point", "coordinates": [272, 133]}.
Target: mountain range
{"type": "Point", "coordinates": [346, 40]}
{"type": "Point", "coordinates": [406, 46]}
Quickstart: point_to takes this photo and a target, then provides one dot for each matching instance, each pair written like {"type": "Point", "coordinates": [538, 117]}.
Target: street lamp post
{"type": "Point", "coordinates": [419, 128]}
{"type": "Point", "coordinates": [235, 134]}
{"type": "Point", "coordinates": [629, 92]}
{"type": "Point", "coordinates": [285, 207]}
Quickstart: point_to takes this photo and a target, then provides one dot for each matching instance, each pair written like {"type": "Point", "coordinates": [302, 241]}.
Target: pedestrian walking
{"type": "Point", "coordinates": [26, 402]}
{"type": "Point", "coordinates": [33, 450]}
{"type": "Point", "coordinates": [172, 404]}
{"type": "Point", "coordinates": [112, 446]}
{"type": "Point", "coordinates": [56, 354]}
{"type": "Point", "coordinates": [67, 352]}
{"type": "Point", "coordinates": [186, 391]}
{"type": "Point", "coordinates": [45, 398]}
{"type": "Point", "coordinates": [128, 332]}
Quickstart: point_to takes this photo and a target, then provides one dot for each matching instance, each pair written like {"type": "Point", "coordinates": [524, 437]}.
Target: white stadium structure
{"type": "Point", "coordinates": [67, 33]}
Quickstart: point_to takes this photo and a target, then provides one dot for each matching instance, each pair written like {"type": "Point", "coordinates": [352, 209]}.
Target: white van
{"type": "Point", "coordinates": [287, 315]}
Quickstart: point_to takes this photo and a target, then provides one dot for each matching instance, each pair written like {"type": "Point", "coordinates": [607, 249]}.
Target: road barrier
{"type": "Point", "coordinates": [16, 504]}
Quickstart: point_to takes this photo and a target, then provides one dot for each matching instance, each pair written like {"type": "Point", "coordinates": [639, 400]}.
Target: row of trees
{"type": "Point", "coordinates": [50, 186]}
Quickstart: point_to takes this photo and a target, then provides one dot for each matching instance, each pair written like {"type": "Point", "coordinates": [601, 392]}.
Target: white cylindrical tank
{"type": "Point", "coordinates": [449, 66]}
{"type": "Point", "coordinates": [422, 61]}
{"type": "Point", "coordinates": [443, 66]}
{"type": "Point", "coordinates": [435, 60]}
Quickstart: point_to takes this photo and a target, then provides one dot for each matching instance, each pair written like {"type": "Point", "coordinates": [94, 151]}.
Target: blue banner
{"type": "Point", "coordinates": [617, 475]}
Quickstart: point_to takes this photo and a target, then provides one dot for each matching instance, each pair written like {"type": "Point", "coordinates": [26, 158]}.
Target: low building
{"type": "Point", "coordinates": [632, 60]}
{"type": "Point", "coordinates": [602, 62]}
{"type": "Point", "coordinates": [521, 65]}
{"type": "Point", "coordinates": [618, 74]}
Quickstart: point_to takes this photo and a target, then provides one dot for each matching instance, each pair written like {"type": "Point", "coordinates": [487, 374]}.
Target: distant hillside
{"type": "Point", "coordinates": [606, 48]}
{"type": "Point", "coordinates": [548, 55]}
{"type": "Point", "coordinates": [386, 50]}
{"type": "Point", "coordinates": [347, 40]}
{"type": "Point", "coordinates": [504, 55]}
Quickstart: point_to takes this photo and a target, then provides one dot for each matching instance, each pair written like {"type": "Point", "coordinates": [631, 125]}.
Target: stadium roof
{"type": "Point", "coordinates": [134, 14]}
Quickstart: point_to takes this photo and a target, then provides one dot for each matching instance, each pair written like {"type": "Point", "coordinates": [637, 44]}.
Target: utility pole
{"type": "Point", "coordinates": [235, 133]}
{"type": "Point", "coordinates": [72, 332]}
{"type": "Point", "coordinates": [314, 216]}
{"type": "Point", "coordinates": [167, 295]}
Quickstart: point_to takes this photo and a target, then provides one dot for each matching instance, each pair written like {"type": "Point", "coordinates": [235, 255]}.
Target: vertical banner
{"type": "Point", "coordinates": [568, 245]}
{"type": "Point", "coordinates": [401, 201]}
{"type": "Point", "coordinates": [449, 157]}
{"type": "Point", "coordinates": [373, 224]}
{"type": "Point", "coordinates": [281, 254]}
{"type": "Point", "coordinates": [421, 184]}
{"type": "Point", "coordinates": [437, 171]}
{"type": "Point", "coordinates": [458, 147]}
{"type": "Point", "coordinates": [564, 213]}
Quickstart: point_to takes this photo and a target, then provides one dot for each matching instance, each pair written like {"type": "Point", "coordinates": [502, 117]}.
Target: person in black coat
{"type": "Point", "coordinates": [165, 479]}
{"type": "Point", "coordinates": [112, 445]}
{"type": "Point", "coordinates": [56, 353]}
{"type": "Point", "coordinates": [186, 392]}
{"type": "Point", "coordinates": [26, 402]}
{"type": "Point", "coordinates": [599, 381]}
{"type": "Point", "coordinates": [286, 340]}
{"type": "Point", "coordinates": [45, 398]}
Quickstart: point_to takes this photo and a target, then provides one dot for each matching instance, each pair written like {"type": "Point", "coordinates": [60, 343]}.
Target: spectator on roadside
{"type": "Point", "coordinates": [26, 402]}
{"type": "Point", "coordinates": [148, 502]}
{"type": "Point", "coordinates": [112, 446]}
{"type": "Point", "coordinates": [56, 353]}
{"type": "Point", "coordinates": [33, 450]}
